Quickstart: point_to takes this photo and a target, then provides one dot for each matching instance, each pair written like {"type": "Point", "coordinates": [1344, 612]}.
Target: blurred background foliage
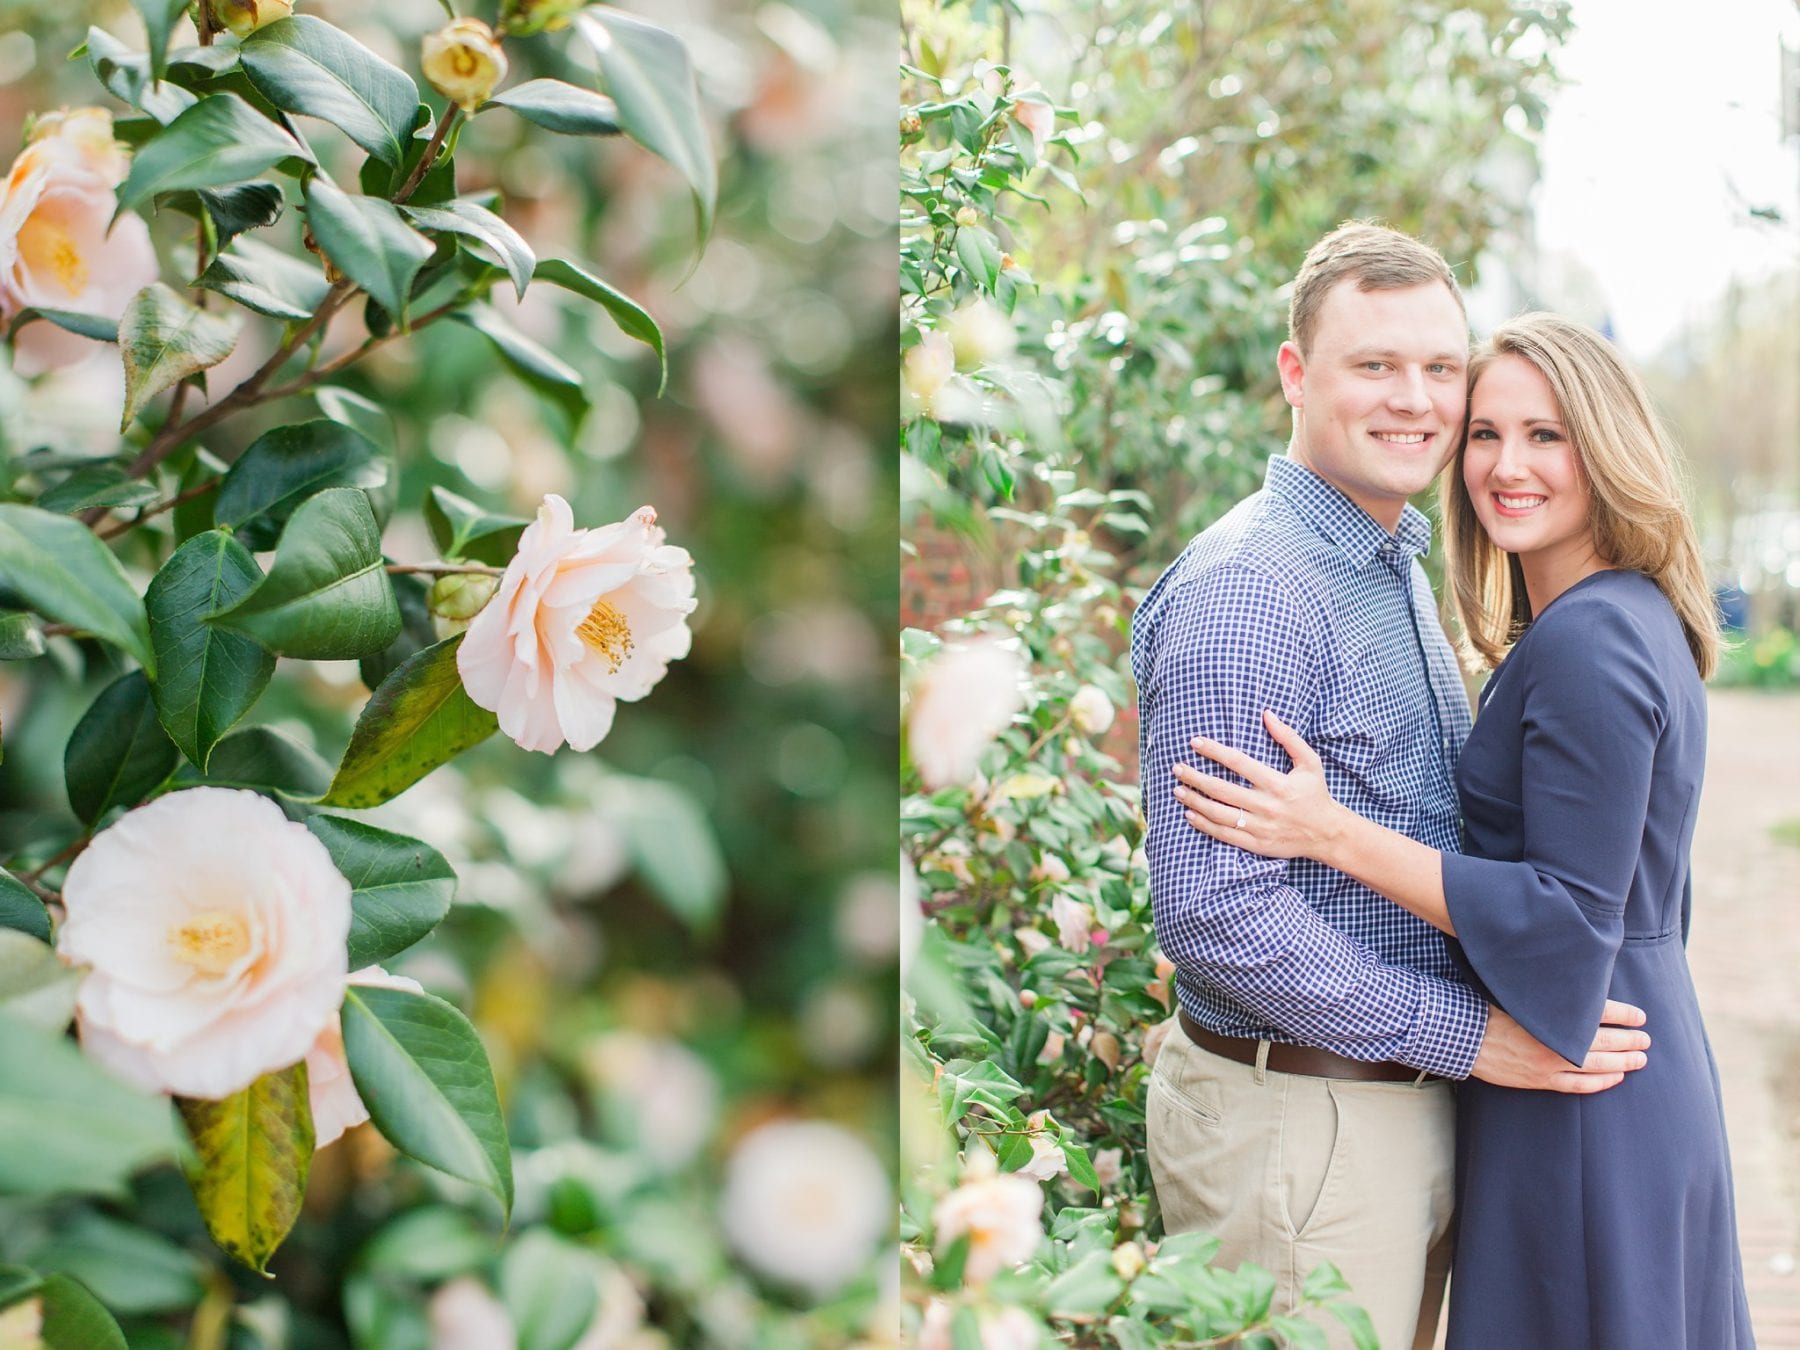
{"type": "Point", "coordinates": [689, 932]}
{"type": "Point", "coordinates": [1090, 310]}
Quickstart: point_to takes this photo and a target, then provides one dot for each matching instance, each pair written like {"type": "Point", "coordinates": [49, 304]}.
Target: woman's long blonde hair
{"type": "Point", "coordinates": [1641, 520]}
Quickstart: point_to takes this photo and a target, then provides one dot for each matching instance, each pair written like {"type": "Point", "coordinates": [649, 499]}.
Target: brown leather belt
{"type": "Point", "coordinates": [1301, 1059]}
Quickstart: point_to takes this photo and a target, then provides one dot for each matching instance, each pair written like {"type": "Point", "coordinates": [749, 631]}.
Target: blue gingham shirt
{"type": "Point", "coordinates": [1299, 602]}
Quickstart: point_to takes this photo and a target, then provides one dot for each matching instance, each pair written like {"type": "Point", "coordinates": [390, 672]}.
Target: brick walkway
{"type": "Point", "coordinates": [1745, 953]}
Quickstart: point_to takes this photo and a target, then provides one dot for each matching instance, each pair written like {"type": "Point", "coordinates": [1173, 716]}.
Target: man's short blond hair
{"type": "Point", "coordinates": [1379, 259]}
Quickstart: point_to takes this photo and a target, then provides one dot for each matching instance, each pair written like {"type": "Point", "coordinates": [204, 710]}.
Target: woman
{"type": "Point", "coordinates": [1598, 1222]}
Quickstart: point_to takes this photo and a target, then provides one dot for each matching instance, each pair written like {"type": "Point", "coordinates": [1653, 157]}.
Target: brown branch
{"type": "Point", "coordinates": [68, 853]}
{"type": "Point", "coordinates": [417, 176]}
{"type": "Point", "coordinates": [198, 490]}
{"type": "Point", "coordinates": [447, 569]}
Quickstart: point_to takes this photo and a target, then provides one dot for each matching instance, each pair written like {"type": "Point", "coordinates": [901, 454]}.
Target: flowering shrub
{"type": "Point", "coordinates": [235, 589]}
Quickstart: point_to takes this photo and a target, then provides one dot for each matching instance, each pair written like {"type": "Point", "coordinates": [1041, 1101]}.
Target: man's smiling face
{"type": "Point", "coordinates": [1380, 394]}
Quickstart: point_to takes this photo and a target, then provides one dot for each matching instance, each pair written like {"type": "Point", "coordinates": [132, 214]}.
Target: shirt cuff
{"type": "Point", "coordinates": [1447, 1032]}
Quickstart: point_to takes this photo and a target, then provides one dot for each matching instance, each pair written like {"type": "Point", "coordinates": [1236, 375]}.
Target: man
{"type": "Point", "coordinates": [1303, 1111]}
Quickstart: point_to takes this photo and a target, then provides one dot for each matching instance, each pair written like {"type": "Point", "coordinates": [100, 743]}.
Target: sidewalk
{"type": "Point", "coordinates": [1745, 954]}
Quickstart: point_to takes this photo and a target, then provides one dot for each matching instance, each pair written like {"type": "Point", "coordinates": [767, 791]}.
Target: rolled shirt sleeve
{"type": "Point", "coordinates": [1543, 932]}
{"type": "Point", "coordinates": [1232, 641]}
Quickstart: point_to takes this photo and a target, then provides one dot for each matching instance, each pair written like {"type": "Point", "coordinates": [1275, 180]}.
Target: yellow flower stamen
{"type": "Point", "coordinates": [47, 247]}
{"type": "Point", "coordinates": [606, 631]}
{"type": "Point", "coordinates": [212, 941]}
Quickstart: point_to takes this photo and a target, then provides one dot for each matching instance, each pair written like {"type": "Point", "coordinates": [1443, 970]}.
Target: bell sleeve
{"type": "Point", "coordinates": [1544, 931]}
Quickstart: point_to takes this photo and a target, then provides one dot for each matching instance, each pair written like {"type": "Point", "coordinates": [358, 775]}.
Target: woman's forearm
{"type": "Point", "coordinates": [1391, 864]}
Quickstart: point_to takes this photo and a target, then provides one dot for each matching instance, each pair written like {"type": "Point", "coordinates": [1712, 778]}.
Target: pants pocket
{"type": "Point", "coordinates": [1310, 1156]}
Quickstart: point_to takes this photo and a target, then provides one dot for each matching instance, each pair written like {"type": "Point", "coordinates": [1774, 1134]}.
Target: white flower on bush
{"type": "Point", "coordinates": [1047, 1160]}
{"type": "Point", "coordinates": [980, 335]}
{"type": "Point", "coordinates": [214, 930]}
{"type": "Point", "coordinates": [583, 619]}
{"type": "Point", "coordinates": [60, 247]}
{"type": "Point", "coordinates": [464, 1315]}
{"type": "Point", "coordinates": [1038, 119]}
{"type": "Point", "coordinates": [1074, 923]}
{"type": "Point", "coordinates": [999, 1329]}
{"type": "Point", "coordinates": [336, 1104]}
{"type": "Point", "coordinates": [1050, 868]}
{"type": "Point", "coordinates": [805, 1202]}
{"type": "Point", "coordinates": [1109, 1165]}
{"type": "Point", "coordinates": [463, 61]}
{"type": "Point", "coordinates": [1091, 711]}
{"type": "Point", "coordinates": [1002, 1216]}
{"type": "Point", "coordinates": [964, 698]}
{"type": "Point", "coordinates": [925, 368]}
{"type": "Point", "coordinates": [1032, 941]}
{"type": "Point", "coordinates": [658, 1093]}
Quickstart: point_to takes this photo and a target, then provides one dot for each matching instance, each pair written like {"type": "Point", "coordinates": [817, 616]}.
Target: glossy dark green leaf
{"type": "Point", "coordinates": [472, 221]}
{"type": "Point", "coordinates": [207, 678]}
{"type": "Point", "coordinates": [266, 280]}
{"type": "Point", "coordinates": [548, 1287]}
{"type": "Point", "coordinates": [97, 485]}
{"type": "Point", "coordinates": [62, 571]}
{"type": "Point", "coordinates": [118, 750]}
{"type": "Point", "coordinates": [253, 1150]}
{"type": "Point", "coordinates": [104, 1130]}
{"type": "Point", "coordinates": [423, 1073]}
{"type": "Point", "coordinates": [21, 910]}
{"type": "Point", "coordinates": [400, 887]}
{"type": "Point", "coordinates": [418, 630]}
{"type": "Point", "coordinates": [130, 76]}
{"type": "Point", "coordinates": [74, 1317]}
{"type": "Point", "coordinates": [419, 718]}
{"type": "Point", "coordinates": [218, 141]}
{"type": "Point", "coordinates": [646, 70]}
{"type": "Point", "coordinates": [160, 18]}
{"type": "Point", "coordinates": [95, 326]}
{"type": "Point", "coordinates": [463, 530]}
{"type": "Point", "coordinates": [538, 367]}
{"type": "Point", "coordinates": [558, 106]}
{"type": "Point", "coordinates": [264, 760]}
{"type": "Point", "coordinates": [21, 635]}
{"type": "Point", "coordinates": [287, 465]}
{"type": "Point", "coordinates": [327, 595]}
{"type": "Point", "coordinates": [164, 339]}
{"type": "Point", "coordinates": [305, 65]}
{"type": "Point", "coordinates": [633, 319]}
{"type": "Point", "coordinates": [232, 210]}
{"type": "Point", "coordinates": [369, 240]}
{"type": "Point", "coordinates": [35, 986]}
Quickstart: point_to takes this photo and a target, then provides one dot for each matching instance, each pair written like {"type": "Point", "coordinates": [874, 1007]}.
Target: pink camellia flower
{"type": "Point", "coordinates": [1074, 923]}
{"type": "Point", "coordinates": [214, 930]}
{"type": "Point", "coordinates": [56, 251]}
{"type": "Point", "coordinates": [966, 697]}
{"type": "Point", "coordinates": [1038, 119]}
{"type": "Point", "coordinates": [1002, 1216]}
{"type": "Point", "coordinates": [583, 619]}
{"type": "Point", "coordinates": [336, 1104]}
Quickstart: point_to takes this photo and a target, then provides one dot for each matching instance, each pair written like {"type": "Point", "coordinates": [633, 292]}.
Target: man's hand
{"type": "Point", "coordinates": [1511, 1056]}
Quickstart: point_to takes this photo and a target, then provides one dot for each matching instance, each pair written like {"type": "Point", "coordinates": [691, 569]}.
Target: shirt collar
{"type": "Point", "coordinates": [1341, 520]}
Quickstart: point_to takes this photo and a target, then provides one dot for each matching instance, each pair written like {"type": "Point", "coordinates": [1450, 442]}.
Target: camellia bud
{"type": "Point", "coordinates": [244, 17]}
{"type": "Point", "coordinates": [1091, 710]}
{"type": "Point", "coordinates": [911, 124]}
{"type": "Point", "coordinates": [463, 62]}
{"type": "Point", "coordinates": [1128, 1259]}
{"type": "Point", "coordinates": [461, 595]}
{"type": "Point", "coordinates": [968, 215]}
{"type": "Point", "coordinates": [538, 16]}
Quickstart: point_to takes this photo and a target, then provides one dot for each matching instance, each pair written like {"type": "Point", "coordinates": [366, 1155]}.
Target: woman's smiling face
{"type": "Point", "coordinates": [1520, 468]}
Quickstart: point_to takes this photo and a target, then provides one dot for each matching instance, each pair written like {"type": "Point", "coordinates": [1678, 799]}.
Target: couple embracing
{"type": "Point", "coordinates": [1433, 994]}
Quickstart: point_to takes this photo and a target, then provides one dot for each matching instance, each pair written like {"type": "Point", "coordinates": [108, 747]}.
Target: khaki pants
{"type": "Point", "coordinates": [1289, 1171]}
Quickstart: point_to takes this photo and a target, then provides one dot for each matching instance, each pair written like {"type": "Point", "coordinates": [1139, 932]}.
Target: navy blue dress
{"type": "Point", "coordinates": [1600, 1222]}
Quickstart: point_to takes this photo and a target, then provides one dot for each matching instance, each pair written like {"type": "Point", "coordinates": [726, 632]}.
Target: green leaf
{"type": "Point", "coordinates": [305, 65]}
{"type": "Point", "coordinates": [327, 595]}
{"type": "Point", "coordinates": [131, 1269]}
{"type": "Point", "coordinates": [130, 76]}
{"type": "Point", "coordinates": [287, 466]}
{"type": "Point", "coordinates": [472, 221]}
{"type": "Point", "coordinates": [541, 369]}
{"type": "Point", "coordinates": [266, 280]}
{"type": "Point", "coordinates": [160, 18]}
{"type": "Point", "coordinates": [263, 759]}
{"type": "Point", "coordinates": [368, 240]}
{"type": "Point", "coordinates": [674, 849]}
{"type": "Point", "coordinates": [1357, 1323]}
{"type": "Point", "coordinates": [20, 910]}
{"type": "Point", "coordinates": [463, 530]}
{"type": "Point", "coordinates": [34, 985]}
{"type": "Point", "coordinates": [207, 678]}
{"type": "Point", "coordinates": [95, 326]}
{"type": "Point", "coordinates": [548, 1287]}
{"type": "Point", "coordinates": [632, 318]}
{"type": "Point", "coordinates": [418, 630]}
{"type": "Point", "coordinates": [254, 1150]}
{"type": "Point", "coordinates": [423, 1073]}
{"type": "Point", "coordinates": [75, 1318]}
{"type": "Point", "coordinates": [400, 888]}
{"type": "Point", "coordinates": [418, 719]}
{"type": "Point", "coordinates": [118, 751]}
{"type": "Point", "coordinates": [232, 210]}
{"type": "Point", "coordinates": [104, 1130]}
{"type": "Point", "coordinates": [1299, 1334]}
{"type": "Point", "coordinates": [646, 70]}
{"type": "Point", "coordinates": [97, 485]}
{"type": "Point", "coordinates": [219, 141]}
{"type": "Point", "coordinates": [558, 106]}
{"type": "Point", "coordinates": [428, 1244]}
{"type": "Point", "coordinates": [1086, 1287]}
{"type": "Point", "coordinates": [1081, 1167]}
{"type": "Point", "coordinates": [164, 339]}
{"type": "Point", "coordinates": [61, 570]}
{"type": "Point", "coordinates": [21, 635]}
{"type": "Point", "coordinates": [979, 253]}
